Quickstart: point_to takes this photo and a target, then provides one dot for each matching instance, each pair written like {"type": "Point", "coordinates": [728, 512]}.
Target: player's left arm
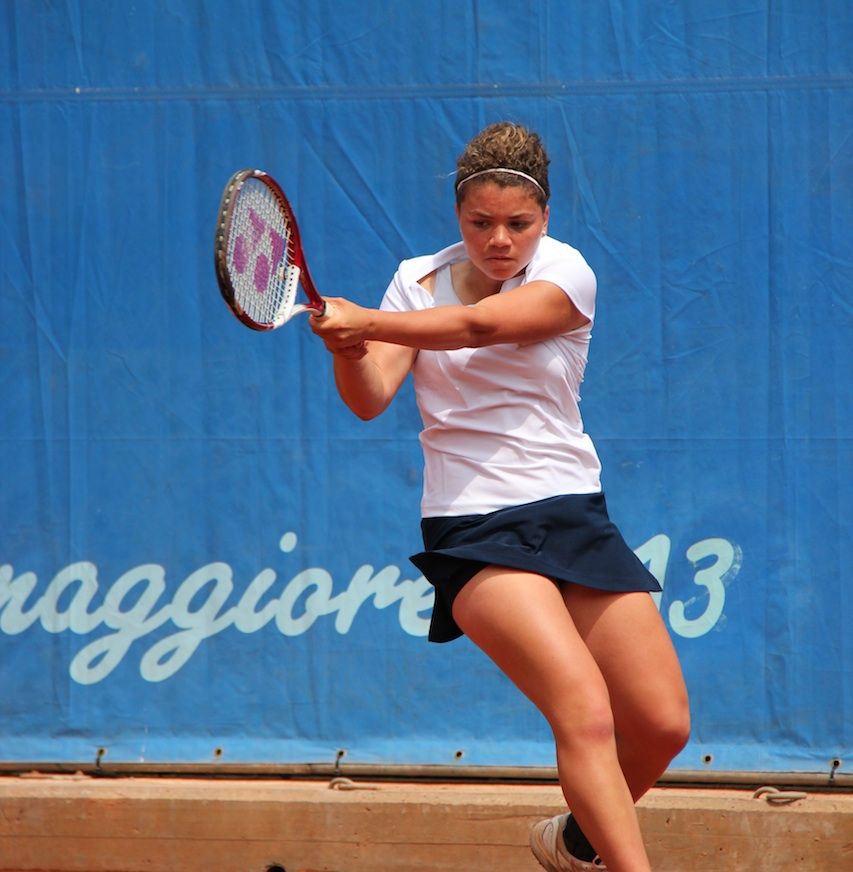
{"type": "Point", "coordinates": [529, 313]}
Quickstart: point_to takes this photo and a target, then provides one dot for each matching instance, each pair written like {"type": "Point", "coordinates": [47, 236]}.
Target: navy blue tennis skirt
{"type": "Point", "coordinates": [566, 538]}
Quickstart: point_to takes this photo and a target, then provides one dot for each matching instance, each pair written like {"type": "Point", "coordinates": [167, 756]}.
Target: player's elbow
{"type": "Point", "coordinates": [366, 411]}
{"type": "Point", "coordinates": [366, 414]}
{"type": "Point", "coordinates": [480, 328]}
{"type": "Point", "coordinates": [366, 407]}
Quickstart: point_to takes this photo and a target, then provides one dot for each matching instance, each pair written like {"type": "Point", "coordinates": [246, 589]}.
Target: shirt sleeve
{"type": "Point", "coordinates": [396, 298]}
{"type": "Point", "coordinates": [404, 294]}
{"type": "Point", "coordinates": [565, 267]}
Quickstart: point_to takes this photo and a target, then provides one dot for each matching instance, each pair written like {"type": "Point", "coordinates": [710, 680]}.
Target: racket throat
{"type": "Point", "coordinates": [290, 277]}
{"type": "Point", "coordinates": [290, 283]}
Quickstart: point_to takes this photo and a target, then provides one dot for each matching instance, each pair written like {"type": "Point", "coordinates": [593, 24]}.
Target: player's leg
{"type": "Point", "coordinates": [520, 620]}
{"type": "Point", "coordinates": [627, 637]}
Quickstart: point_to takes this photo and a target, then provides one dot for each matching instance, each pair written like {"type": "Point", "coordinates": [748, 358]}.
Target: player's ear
{"type": "Point", "coordinates": [546, 212]}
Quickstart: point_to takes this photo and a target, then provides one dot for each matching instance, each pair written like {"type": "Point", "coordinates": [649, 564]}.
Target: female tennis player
{"type": "Point", "coordinates": [517, 541]}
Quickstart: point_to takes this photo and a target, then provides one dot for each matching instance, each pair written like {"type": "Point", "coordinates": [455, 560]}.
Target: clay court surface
{"type": "Point", "coordinates": [79, 823]}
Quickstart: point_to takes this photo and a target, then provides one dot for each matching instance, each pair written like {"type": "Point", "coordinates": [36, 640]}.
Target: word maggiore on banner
{"type": "Point", "coordinates": [139, 602]}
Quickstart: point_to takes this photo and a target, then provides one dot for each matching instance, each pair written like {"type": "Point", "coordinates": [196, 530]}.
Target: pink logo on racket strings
{"type": "Point", "coordinates": [245, 249]}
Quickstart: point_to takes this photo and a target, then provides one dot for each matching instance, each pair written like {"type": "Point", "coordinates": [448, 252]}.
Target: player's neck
{"type": "Point", "coordinates": [471, 285]}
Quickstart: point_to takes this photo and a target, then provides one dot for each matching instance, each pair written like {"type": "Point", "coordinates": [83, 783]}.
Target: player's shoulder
{"type": "Point", "coordinates": [415, 268]}
{"type": "Point", "coordinates": [562, 264]}
{"type": "Point", "coordinates": [551, 250]}
{"type": "Point", "coordinates": [410, 286]}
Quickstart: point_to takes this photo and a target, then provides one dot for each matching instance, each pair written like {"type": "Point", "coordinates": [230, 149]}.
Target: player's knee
{"type": "Point", "coordinates": [588, 724]}
{"type": "Point", "coordinates": [675, 733]}
{"type": "Point", "coordinates": [668, 729]}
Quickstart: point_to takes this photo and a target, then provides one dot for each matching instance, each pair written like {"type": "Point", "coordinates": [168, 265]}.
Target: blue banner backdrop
{"type": "Point", "coordinates": [204, 555]}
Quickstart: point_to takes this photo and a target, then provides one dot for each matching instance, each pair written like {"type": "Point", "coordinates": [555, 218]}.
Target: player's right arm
{"type": "Point", "coordinates": [368, 381]}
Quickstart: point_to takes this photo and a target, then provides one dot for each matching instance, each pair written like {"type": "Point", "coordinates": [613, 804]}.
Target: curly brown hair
{"type": "Point", "coordinates": [505, 145]}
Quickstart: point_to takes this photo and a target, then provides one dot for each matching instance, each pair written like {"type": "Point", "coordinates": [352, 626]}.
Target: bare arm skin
{"type": "Point", "coordinates": [530, 313]}
{"type": "Point", "coordinates": [368, 384]}
{"type": "Point", "coordinates": [374, 349]}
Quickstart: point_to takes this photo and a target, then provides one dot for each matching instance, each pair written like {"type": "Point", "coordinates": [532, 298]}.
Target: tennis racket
{"type": "Point", "coordinates": [258, 253]}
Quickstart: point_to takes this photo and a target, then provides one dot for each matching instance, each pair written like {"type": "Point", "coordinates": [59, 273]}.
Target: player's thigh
{"type": "Point", "coordinates": [628, 639]}
{"type": "Point", "coordinates": [520, 621]}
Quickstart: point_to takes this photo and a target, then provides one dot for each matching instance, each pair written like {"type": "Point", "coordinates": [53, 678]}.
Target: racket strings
{"type": "Point", "coordinates": [260, 253]}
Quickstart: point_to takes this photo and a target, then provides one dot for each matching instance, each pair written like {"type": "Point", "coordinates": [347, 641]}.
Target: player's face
{"type": "Point", "coordinates": [501, 228]}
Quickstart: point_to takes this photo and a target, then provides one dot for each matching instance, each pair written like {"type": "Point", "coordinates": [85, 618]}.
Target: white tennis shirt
{"type": "Point", "coordinates": [501, 424]}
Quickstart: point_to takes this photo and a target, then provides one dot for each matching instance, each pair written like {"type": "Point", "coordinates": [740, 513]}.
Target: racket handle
{"type": "Point", "coordinates": [311, 309]}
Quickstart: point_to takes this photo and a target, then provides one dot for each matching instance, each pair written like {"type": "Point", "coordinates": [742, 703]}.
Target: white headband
{"type": "Point", "coordinates": [501, 170]}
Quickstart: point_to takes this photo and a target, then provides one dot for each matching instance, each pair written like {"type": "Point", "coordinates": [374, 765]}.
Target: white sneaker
{"type": "Point", "coordinates": [546, 842]}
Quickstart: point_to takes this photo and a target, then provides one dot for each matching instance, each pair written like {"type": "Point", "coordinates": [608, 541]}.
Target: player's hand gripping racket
{"type": "Point", "coordinates": [258, 253]}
